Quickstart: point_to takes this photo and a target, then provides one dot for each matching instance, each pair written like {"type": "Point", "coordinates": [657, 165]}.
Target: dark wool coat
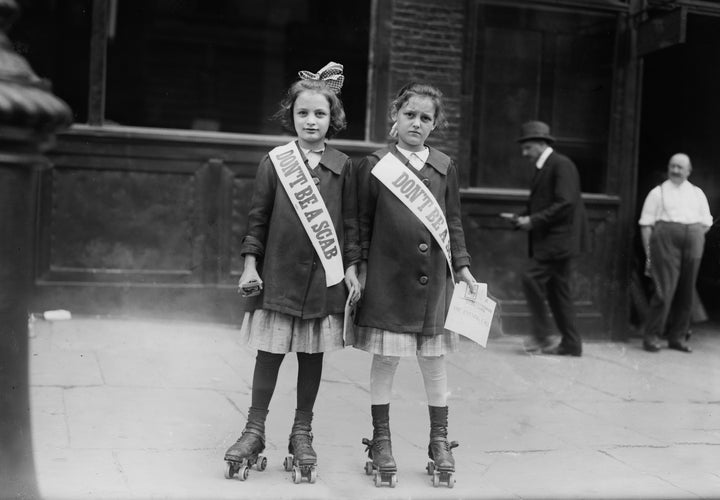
{"type": "Point", "coordinates": [409, 285]}
{"type": "Point", "coordinates": [557, 212]}
{"type": "Point", "coordinates": [292, 274]}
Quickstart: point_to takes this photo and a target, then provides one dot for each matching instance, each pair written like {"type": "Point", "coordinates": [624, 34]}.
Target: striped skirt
{"type": "Point", "coordinates": [279, 333]}
{"type": "Point", "coordinates": [387, 343]}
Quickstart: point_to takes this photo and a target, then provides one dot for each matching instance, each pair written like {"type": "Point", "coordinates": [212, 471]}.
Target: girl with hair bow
{"type": "Point", "coordinates": [302, 235]}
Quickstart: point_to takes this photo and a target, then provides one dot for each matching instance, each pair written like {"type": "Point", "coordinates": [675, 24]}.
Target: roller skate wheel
{"type": "Point", "coordinates": [430, 468]}
{"type": "Point", "coordinates": [243, 473]}
{"type": "Point", "coordinates": [296, 475]}
{"type": "Point", "coordinates": [436, 479]}
{"type": "Point", "coordinates": [288, 463]}
{"type": "Point", "coordinates": [229, 470]}
{"type": "Point", "coordinates": [393, 481]}
{"type": "Point", "coordinates": [368, 468]}
{"type": "Point", "coordinates": [313, 475]}
{"type": "Point", "coordinates": [378, 480]}
{"type": "Point", "coordinates": [262, 463]}
{"type": "Point", "coordinates": [451, 481]}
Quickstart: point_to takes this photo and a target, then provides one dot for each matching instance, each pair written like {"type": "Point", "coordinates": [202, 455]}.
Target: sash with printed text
{"type": "Point", "coordinates": [411, 191]}
{"type": "Point", "coordinates": [310, 208]}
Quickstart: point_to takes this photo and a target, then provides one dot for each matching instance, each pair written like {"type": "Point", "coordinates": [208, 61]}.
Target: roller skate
{"type": "Point", "coordinates": [302, 460]}
{"type": "Point", "coordinates": [379, 449]}
{"type": "Point", "coordinates": [442, 463]}
{"type": "Point", "coordinates": [245, 453]}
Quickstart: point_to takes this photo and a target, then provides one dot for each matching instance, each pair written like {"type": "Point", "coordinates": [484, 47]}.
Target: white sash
{"type": "Point", "coordinates": [310, 207]}
{"type": "Point", "coordinates": [410, 190]}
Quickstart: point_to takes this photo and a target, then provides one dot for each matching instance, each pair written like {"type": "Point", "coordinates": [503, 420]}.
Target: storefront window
{"type": "Point", "coordinates": [550, 65]}
{"type": "Point", "coordinates": [219, 65]}
{"type": "Point", "coordinates": [224, 65]}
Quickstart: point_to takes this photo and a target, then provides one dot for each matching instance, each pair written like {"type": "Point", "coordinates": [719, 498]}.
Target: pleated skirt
{"type": "Point", "coordinates": [387, 343]}
{"type": "Point", "coordinates": [279, 333]}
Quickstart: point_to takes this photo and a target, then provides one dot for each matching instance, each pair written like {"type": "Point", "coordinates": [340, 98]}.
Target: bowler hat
{"type": "Point", "coordinates": [535, 130]}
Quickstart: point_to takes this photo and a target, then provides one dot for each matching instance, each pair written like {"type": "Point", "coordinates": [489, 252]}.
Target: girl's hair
{"type": "Point", "coordinates": [284, 115]}
{"type": "Point", "coordinates": [416, 89]}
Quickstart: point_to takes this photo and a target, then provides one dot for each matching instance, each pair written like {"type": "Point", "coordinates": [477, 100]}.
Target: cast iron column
{"type": "Point", "coordinates": [29, 116]}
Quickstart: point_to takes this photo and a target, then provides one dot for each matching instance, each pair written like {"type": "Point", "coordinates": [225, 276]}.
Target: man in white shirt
{"type": "Point", "coordinates": [673, 223]}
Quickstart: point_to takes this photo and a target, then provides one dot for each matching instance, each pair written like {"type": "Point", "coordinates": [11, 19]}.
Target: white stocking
{"type": "Point", "coordinates": [382, 374]}
{"type": "Point", "coordinates": [434, 374]}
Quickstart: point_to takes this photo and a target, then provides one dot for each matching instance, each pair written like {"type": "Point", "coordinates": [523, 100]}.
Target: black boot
{"type": "Point", "coordinates": [302, 459]}
{"type": "Point", "coordinates": [246, 451]}
{"type": "Point", "coordinates": [300, 443]}
{"type": "Point", "coordinates": [439, 449]}
{"type": "Point", "coordinates": [379, 448]}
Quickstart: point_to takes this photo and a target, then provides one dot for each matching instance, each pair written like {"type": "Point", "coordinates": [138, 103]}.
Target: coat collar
{"type": "Point", "coordinates": [332, 159]}
{"type": "Point", "coordinates": [436, 159]}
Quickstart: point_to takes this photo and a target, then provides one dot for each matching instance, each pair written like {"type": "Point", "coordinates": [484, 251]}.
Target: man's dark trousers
{"type": "Point", "coordinates": [676, 253]}
{"type": "Point", "coordinates": [551, 277]}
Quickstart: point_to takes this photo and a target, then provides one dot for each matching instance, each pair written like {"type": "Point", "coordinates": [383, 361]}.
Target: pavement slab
{"type": "Point", "coordinates": [124, 408]}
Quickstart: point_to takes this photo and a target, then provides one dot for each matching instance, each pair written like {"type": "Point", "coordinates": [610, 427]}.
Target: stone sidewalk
{"type": "Point", "coordinates": [145, 409]}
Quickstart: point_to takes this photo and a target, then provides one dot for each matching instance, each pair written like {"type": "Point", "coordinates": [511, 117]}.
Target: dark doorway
{"type": "Point", "coordinates": [680, 107]}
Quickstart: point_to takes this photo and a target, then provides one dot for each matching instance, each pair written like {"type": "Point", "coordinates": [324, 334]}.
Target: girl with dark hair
{"type": "Point", "coordinates": [413, 246]}
{"type": "Point", "coordinates": [302, 235]}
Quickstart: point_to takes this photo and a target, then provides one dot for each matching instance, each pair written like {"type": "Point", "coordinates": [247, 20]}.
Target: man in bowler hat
{"type": "Point", "coordinates": [557, 228]}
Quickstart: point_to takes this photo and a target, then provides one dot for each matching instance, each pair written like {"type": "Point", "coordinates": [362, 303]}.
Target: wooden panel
{"type": "Point", "coordinates": [112, 222]}
{"type": "Point", "coordinates": [661, 31]}
{"type": "Point", "coordinates": [148, 222]}
{"type": "Point", "coordinates": [150, 225]}
{"type": "Point", "coordinates": [242, 193]}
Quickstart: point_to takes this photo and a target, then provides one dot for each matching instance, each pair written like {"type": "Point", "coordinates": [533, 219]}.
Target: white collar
{"type": "Point", "coordinates": [543, 157]}
{"type": "Point", "coordinates": [423, 155]}
{"type": "Point", "coordinates": [318, 151]}
{"type": "Point", "coordinates": [313, 156]}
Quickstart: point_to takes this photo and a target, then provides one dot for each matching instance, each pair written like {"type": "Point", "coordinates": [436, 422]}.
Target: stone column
{"type": "Point", "coordinates": [29, 116]}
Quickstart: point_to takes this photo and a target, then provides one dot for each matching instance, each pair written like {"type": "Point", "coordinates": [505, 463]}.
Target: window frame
{"type": "Point", "coordinates": [104, 13]}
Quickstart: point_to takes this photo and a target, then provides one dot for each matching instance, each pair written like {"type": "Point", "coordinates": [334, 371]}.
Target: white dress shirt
{"type": "Point", "coordinates": [543, 157]}
{"type": "Point", "coordinates": [684, 203]}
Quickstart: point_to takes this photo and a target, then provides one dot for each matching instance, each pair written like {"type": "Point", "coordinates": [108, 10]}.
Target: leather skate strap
{"type": "Point", "coordinates": [250, 430]}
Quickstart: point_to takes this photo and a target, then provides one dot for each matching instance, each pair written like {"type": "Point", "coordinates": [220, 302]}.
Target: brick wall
{"type": "Point", "coordinates": [427, 44]}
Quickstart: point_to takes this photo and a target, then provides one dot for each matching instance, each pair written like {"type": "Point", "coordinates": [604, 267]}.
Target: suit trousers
{"type": "Point", "coordinates": [675, 255]}
{"type": "Point", "coordinates": [551, 278]}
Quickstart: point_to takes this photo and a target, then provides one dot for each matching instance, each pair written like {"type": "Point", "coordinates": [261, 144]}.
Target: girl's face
{"type": "Point", "coordinates": [311, 116]}
{"type": "Point", "coordinates": [415, 120]}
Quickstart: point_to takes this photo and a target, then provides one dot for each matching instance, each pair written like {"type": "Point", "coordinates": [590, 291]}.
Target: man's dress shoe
{"type": "Point", "coordinates": [533, 344]}
{"type": "Point", "coordinates": [679, 346]}
{"type": "Point", "coordinates": [561, 350]}
{"type": "Point", "coordinates": [651, 346]}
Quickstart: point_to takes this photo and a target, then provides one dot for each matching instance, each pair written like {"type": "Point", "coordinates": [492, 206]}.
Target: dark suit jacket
{"type": "Point", "coordinates": [557, 212]}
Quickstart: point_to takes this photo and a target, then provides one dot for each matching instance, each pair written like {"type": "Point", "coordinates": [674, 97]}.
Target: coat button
{"type": "Point", "coordinates": [423, 247]}
{"type": "Point", "coordinates": [423, 280]}
{"type": "Point", "coordinates": [316, 180]}
{"type": "Point", "coordinates": [426, 182]}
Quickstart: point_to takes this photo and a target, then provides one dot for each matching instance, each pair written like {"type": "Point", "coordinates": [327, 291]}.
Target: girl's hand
{"type": "Point", "coordinates": [250, 282]}
{"type": "Point", "coordinates": [464, 275]}
{"type": "Point", "coordinates": [353, 284]}
{"type": "Point", "coordinates": [362, 275]}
